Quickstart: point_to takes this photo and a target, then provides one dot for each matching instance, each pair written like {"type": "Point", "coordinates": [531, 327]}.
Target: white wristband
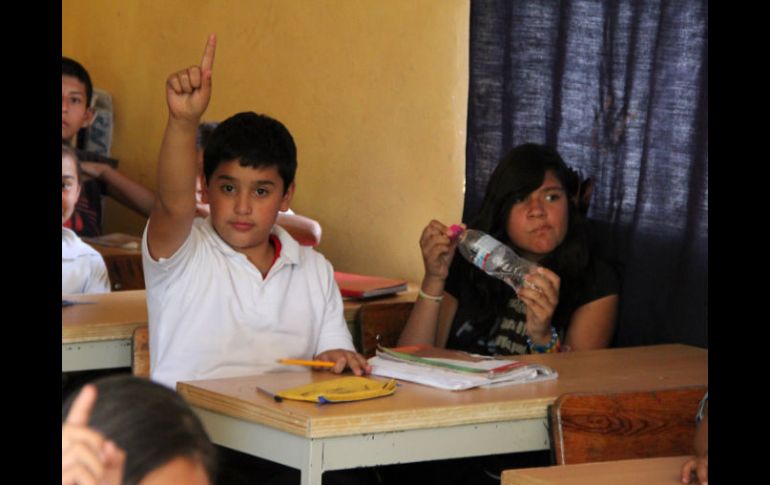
{"type": "Point", "coordinates": [426, 296]}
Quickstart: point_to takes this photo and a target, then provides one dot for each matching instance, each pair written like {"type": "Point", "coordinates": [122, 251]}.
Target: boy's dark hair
{"type": "Point", "coordinates": [256, 141]}
{"type": "Point", "coordinates": [70, 67]}
{"type": "Point", "coordinates": [205, 130]}
{"type": "Point", "coordinates": [68, 151]}
{"type": "Point", "coordinates": [519, 173]}
{"type": "Point", "coordinates": [150, 422]}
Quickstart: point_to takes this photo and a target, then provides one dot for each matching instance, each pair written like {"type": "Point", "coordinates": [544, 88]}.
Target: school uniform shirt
{"type": "Point", "coordinates": [82, 268]}
{"type": "Point", "coordinates": [213, 315]}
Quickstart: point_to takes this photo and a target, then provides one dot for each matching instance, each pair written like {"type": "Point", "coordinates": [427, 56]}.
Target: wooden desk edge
{"type": "Point", "coordinates": [308, 426]}
{"type": "Point", "coordinates": [524, 476]}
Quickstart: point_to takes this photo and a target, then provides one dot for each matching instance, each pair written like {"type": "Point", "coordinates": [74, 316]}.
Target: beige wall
{"type": "Point", "coordinates": [374, 92]}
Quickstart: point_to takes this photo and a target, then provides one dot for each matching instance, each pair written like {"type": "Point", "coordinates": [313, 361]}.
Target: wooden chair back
{"type": "Point", "coordinates": [383, 319]}
{"type": "Point", "coordinates": [589, 427]}
{"type": "Point", "coordinates": [140, 356]}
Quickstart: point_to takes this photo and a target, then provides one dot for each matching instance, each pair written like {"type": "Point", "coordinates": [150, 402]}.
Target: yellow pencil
{"type": "Point", "coordinates": [309, 363]}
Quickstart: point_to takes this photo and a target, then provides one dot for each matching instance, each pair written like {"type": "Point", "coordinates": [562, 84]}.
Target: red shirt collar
{"type": "Point", "coordinates": [277, 245]}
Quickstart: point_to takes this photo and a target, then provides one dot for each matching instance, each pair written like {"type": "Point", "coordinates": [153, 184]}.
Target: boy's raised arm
{"type": "Point", "coordinates": [187, 94]}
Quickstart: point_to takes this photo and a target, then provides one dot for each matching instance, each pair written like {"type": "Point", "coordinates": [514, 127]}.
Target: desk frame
{"type": "Point", "coordinates": [105, 354]}
{"type": "Point", "coordinates": [316, 455]}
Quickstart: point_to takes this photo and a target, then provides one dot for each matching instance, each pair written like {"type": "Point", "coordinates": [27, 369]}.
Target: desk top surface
{"type": "Point", "coordinates": [414, 406]}
{"type": "Point", "coordinates": [106, 316]}
{"type": "Point", "coordinates": [648, 471]}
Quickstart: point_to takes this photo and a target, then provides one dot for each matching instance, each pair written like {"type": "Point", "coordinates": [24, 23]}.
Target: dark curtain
{"type": "Point", "coordinates": [620, 88]}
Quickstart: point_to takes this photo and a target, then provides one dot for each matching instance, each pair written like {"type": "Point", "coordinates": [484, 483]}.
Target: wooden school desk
{"type": "Point", "coordinates": [351, 306]}
{"type": "Point", "coordinates": [97, 335]}
{"type": "Point", "coordinates": [646, 471]}
{"type": "Point", "coordinates": [124, 264]}
{"type": "Point", "coordinates": [419, 423]}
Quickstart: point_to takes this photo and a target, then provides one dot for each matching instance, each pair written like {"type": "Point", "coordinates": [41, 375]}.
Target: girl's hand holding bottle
{"type": "Point", "coordinates": [541, 302]}
{"type": "Point", "coordinates": [437, 250]}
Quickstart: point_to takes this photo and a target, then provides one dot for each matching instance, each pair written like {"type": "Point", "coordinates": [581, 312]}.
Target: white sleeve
{"type": "Point", "coordinates": [158, 271]}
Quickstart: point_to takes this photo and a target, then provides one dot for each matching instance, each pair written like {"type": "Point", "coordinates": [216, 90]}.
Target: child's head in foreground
{"type": "Point", "coordinates": [163, 440]}
{"type": "Point", "coordinates": [249, 164]}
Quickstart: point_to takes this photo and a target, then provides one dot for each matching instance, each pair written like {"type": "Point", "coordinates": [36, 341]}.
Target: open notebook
{"type": "Point", "coordinates": [454, 370]}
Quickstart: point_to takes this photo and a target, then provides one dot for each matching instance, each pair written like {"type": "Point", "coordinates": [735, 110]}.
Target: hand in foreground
{"type": "Point", "coordinates": [345, 358]}
{"type": "Point", "coordinates": [696, 470]}
{"type": "Point", "coordinates": [87, 457]}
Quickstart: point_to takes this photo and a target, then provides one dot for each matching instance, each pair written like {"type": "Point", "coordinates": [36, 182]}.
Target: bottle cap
{"type": "Point", "coordinates": [455, 230]}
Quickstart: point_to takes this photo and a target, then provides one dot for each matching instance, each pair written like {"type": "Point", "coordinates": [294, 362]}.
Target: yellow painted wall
{"type": "Point", "coordinates": [373, 91]}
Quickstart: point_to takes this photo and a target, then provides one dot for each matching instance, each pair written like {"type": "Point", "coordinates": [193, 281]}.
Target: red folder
{"type": "Point", "coordinates": [362, 286]}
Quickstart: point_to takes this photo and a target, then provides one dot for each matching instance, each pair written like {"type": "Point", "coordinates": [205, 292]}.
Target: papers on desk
{"type": "Point", "coordinates": [454, 370]}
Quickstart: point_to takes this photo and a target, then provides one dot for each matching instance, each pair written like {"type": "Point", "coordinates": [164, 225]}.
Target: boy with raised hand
{"type": "Point", "coordinates": [230, 294]}
{"type": "Point", "coordinates": [77, 113]}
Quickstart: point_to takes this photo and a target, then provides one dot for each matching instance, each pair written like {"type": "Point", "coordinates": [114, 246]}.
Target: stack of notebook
{"type": "Point", "coordinates": [454, 370]}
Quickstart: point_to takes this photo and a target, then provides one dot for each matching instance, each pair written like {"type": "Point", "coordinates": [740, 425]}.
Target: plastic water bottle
{"type": "Point", "coordinates": [493, 257]}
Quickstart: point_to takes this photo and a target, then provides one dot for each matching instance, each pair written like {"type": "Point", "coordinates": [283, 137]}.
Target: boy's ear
{"type": "Point", "coordinates": [286, 202]}
{"type": "Point", "coordinates": [89, 117]}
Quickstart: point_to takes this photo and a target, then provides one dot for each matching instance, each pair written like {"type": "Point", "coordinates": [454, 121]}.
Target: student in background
{"type": "Point", "coordinates": [696, 469]}
{"type": "Point", "coordinates": [129, 430]}
{"type": "Point", "coordinates": [102, 179]}
{"type": "Point", "coordinates": [304, 230]}
{"type": "Point", "coordinates": [530, 204]}
{"type": "Point", "coordinates": [82, 268]}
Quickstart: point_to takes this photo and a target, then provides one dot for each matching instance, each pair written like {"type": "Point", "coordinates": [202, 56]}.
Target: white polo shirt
{"type": "Point", "coordinates": [212, 315]}
{"type": "Point", "coordinates": [82, 268]}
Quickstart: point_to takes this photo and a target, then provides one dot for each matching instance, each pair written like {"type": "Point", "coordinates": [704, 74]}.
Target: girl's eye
{"type": "Point", "coordinates": [75, 100]}
{"type": "Point", "coordinates": [552, 197]}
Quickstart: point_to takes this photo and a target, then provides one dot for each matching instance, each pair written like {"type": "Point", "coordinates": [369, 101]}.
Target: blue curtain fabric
{"type": "Point", "coordinates": [620, 88]}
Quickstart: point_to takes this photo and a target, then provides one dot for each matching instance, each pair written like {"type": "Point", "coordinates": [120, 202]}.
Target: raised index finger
{"type": "Point", "coordinates": [81, 407]}
{"type": "Point", "coordinates": [207, 63]}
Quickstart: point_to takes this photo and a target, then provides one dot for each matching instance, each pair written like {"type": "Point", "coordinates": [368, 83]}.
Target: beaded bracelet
{"type": "Point", "coordinates": [426, 296]}
{"type": "Point", "coordinates": [552, 346]}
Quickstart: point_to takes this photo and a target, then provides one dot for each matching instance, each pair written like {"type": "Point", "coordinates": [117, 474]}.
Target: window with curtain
{"type": "Point", "coordinates": [620, 88]}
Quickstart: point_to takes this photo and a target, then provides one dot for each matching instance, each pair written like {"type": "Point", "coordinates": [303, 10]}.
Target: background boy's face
{"type": "Point", "coordinates": [75, 112]}
{"type": "Point", "coordinates": [245, 202]}
{"type": "Point", "coordinates": [70, 187]}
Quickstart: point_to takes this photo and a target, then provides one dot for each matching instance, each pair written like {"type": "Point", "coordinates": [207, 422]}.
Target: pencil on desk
{"type": "Point", "coordinates": [309, 363]}
{"type": "Point", "coordinates": [276, 397]}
